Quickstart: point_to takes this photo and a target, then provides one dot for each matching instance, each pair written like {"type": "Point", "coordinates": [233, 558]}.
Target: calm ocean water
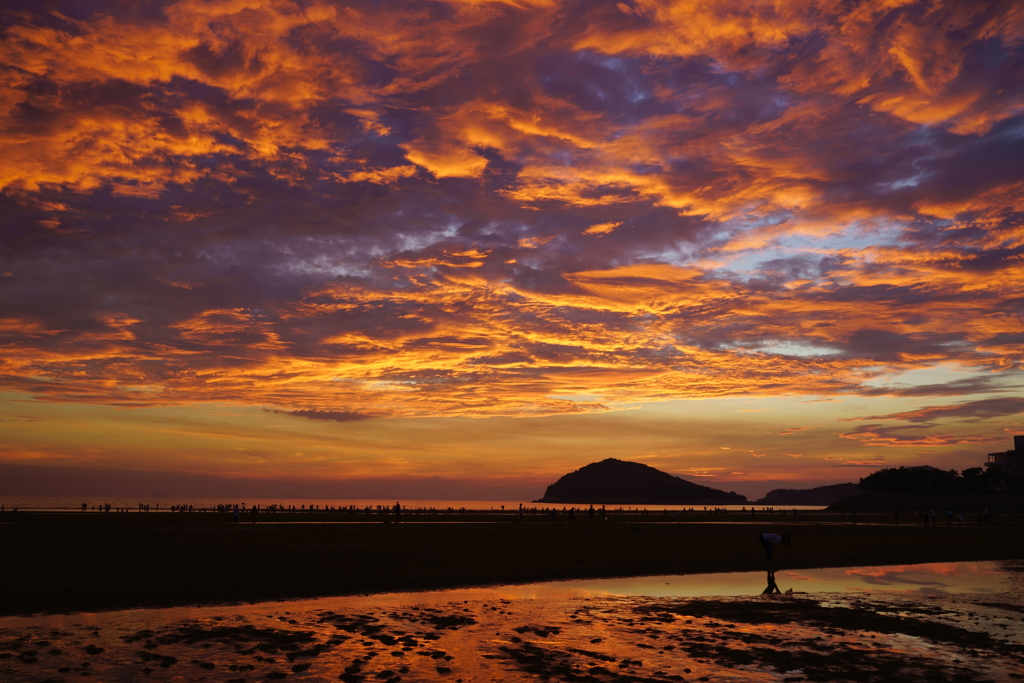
{"type": "Point", "coordinates": [164, 503]}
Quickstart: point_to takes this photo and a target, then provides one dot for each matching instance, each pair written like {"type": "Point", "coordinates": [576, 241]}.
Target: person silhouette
{"type": "Point", "coordinates": [772, 586]}
{"type": "Point", "coordinates": [769, 541]}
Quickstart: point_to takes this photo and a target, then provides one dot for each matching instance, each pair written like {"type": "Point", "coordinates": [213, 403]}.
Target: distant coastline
{"type": "Point", "coordinates": [821, 495]}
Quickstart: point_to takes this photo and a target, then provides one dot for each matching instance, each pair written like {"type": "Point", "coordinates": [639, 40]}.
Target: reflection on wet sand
{"type": "Point", "coordinates": [944, 577]}
{"type": "Point", "coordinates": [498, 634]}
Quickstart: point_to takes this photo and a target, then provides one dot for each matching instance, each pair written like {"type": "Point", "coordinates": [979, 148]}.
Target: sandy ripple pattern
{"type": "Point", "coordinates": [968, 638]}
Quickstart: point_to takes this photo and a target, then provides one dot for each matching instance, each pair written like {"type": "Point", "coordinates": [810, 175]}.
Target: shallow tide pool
{"type": "Point", "coordinates": [941, 622]}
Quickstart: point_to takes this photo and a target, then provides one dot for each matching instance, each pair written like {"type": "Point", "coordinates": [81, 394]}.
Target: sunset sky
{"type": "Point", "coordinates": [461, 248]}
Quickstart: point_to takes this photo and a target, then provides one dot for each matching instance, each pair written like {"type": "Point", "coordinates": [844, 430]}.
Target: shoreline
{"type": "Point", "coordinates": [398, 594]}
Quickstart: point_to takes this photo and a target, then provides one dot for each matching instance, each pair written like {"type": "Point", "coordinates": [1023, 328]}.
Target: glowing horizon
{"type": "Point", "coordinates": [495, 241]}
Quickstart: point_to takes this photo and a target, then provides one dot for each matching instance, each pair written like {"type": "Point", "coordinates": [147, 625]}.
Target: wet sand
{"type": "Point", "coordinates": [501, 634]}
{"type": "Point", "coordinates": [68, 563]}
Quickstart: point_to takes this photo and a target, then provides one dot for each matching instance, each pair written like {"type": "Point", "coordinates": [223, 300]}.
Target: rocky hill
{"type": "Point", "coordinates": [617, 482]}
{"type": "Point", "coordinates": [821, 495]}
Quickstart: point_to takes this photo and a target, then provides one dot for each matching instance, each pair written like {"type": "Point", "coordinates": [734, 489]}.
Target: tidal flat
{"type": "Point", "coordinates": [63, 563]}
{"type": "Point", "coordinates": [548, 633]}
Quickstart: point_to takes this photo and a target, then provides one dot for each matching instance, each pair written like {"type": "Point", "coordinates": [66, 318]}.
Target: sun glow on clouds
{"type": "Point", "coordinates": [484, 209]}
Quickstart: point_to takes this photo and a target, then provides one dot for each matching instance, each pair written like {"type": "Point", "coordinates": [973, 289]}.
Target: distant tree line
{"type": "Point", "coordinates": [928, 480]}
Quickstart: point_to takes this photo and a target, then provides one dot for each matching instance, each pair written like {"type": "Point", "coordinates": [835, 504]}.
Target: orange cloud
{"type": "Point", "coordinates": [602, 228]}
{"type": "Point", "coordinates": [382, 176]}
{"type": "Point", "coordinates": [326, 207]}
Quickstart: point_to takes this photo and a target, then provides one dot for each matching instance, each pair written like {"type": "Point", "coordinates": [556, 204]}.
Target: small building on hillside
{"type": "Point", "coordinates": [1009, 460]}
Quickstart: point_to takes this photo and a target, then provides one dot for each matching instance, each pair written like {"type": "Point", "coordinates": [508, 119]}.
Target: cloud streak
{"type": "Point", "coordinates": [971, 411]}
{"type": "Point", "coordinates": [328, 415]}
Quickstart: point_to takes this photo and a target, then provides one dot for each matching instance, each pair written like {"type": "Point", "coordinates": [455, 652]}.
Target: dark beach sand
{"type": "Point", "coordinates": [59, 563]}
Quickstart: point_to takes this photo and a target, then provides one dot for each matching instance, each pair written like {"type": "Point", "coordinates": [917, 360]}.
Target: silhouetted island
{"type": "Point", "coordinates": [820, 495]}
{"type": "Point", "coordinates": [617, 482]}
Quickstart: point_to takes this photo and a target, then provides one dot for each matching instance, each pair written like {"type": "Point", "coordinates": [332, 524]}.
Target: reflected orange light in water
{"type": "Point", "coordinates": [517, 633]}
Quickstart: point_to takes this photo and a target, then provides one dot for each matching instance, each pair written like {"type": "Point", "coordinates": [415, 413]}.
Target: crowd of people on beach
{"type": "Point", "coordinates": [107, 507]}
{"type": "Point", "coordinates": [398, 510]}
{"type": "Point", "coordinates": [922, 518]}
{"type": "Point", "coordinates": [930, 517]}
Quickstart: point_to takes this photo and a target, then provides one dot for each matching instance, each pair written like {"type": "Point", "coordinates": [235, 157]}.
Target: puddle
{"type": "Point", "coordinates": [943, 622]}
{"type": "Point", "coordinates": [945, 577]}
